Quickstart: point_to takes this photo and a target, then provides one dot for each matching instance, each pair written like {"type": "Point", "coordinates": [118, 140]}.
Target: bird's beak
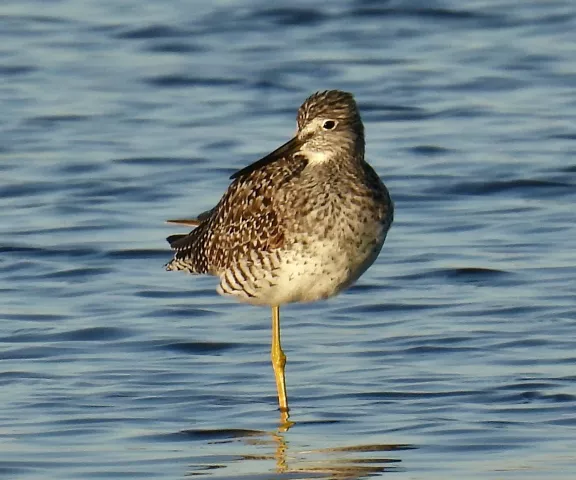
{"type": "Point", "coordinates": [288, 148]}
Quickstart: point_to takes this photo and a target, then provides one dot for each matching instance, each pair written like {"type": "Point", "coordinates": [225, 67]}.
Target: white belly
{"type": "Point", "coordinates": [314, 273]}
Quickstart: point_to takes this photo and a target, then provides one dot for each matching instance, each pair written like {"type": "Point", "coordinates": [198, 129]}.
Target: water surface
{"type": "Point", "coordinates": [453, 356]}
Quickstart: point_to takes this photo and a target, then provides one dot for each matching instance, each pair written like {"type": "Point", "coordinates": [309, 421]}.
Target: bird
{"type": "Point", "coordinates": [301, 224]}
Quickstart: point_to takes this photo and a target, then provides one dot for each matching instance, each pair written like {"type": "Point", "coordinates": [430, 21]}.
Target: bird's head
{"type": "Point", "coordinates": [330, 132]}
{"type": "Point", "coordinates": [329, 125]}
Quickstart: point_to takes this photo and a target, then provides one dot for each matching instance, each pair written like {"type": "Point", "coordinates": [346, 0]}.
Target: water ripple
{"type": "Point", "coordinates": [452, 357]}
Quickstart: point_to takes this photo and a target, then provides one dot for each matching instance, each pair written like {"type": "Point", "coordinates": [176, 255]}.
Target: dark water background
{"type": "Point", "coordinates": [453, 357]}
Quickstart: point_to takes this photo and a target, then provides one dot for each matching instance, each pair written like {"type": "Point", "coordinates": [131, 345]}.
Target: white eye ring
{"type": "Point", "coordinates": [329, 125]}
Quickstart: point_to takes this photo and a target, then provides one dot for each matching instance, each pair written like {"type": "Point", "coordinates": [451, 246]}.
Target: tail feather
{"type": "Point", "coordinates": [191, 222]}
{"type": "Point", "coordinates": [185, 245]}
{"type": "Point", "coordinates": [173, 239]}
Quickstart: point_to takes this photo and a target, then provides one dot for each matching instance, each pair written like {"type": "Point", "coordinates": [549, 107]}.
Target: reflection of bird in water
{"type": "Point", "coordinates": [299, 225]}
{"type": "Point", "coordinates": [339, 463]}
{"type": "Point", "coordinates": [290, 460]}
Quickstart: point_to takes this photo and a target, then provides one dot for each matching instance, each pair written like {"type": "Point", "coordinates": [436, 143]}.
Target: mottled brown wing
{"type": "Point", "coordinates": [380, 195]}
{"type": "Point", "coordinates": [245, 220]}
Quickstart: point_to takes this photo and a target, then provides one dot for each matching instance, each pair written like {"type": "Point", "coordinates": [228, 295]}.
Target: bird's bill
{"type": "Point", "coordinates": [288, 148]}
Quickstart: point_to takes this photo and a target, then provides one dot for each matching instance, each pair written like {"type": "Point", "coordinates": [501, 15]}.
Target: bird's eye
{"type": "Point", "coordinates": [329, 125]}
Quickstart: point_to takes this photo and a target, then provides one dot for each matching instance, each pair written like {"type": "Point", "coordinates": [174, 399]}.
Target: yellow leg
{"type": "Point", "coordinates": [278, 360]}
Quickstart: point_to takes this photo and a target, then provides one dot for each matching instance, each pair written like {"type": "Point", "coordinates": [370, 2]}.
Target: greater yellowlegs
{"type": "Point", "coordinates": [299, 225]}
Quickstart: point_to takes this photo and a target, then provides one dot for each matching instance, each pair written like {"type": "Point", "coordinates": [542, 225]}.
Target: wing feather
{"type": "Point", "coordinates": [245, 221]}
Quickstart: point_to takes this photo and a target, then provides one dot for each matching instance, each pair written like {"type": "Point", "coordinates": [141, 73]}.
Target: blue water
{"type": "Point", "coordinates": [455, 354]}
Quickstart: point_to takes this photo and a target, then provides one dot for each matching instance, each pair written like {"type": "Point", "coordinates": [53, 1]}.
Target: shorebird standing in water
{"type": "Point", "coordinates": [299, 225]}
